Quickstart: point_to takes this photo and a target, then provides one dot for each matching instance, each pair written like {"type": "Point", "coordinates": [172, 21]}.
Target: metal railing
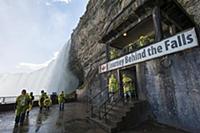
{"type": "Point", "coordinates": [96, 101]}
{"type": "Point", "coordinates": [99, 93]}
{"type": "Point", "coordinates": [104, 109]}
{"type": "Point", "coordinates": [100, 109]}
{"type": "Point", "coordinates": [12, 99]}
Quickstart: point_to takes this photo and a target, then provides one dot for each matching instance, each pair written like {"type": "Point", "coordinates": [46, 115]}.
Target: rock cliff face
{"type": "Point", "coordinates": [87, 53]}
{"type": "Point", "coordinates": [173, 91]}
{"type": "Point", "coordinates": [85, 46]}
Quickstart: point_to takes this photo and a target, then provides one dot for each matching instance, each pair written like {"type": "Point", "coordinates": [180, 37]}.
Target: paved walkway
{"type": "Point", "coordinates": [72, 120]}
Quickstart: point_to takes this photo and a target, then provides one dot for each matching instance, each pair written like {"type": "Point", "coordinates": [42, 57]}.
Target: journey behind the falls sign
{"type": "Point", "coordinates": [176, 43]}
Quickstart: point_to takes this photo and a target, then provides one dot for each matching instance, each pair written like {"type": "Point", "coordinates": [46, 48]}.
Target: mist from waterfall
{"type": "Point", "coordinates": [53, 78]}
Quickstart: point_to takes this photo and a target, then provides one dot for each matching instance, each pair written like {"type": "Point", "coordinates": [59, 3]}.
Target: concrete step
{"type": "Point", "coordinates": [120, 114]}
{"type": "Point", "coordinates": [108, 127]}
{"type": "Point", "coordinates": [118, 108]}
{"type": "Point", "coordinates": [113, 121]}
{"type": "Point", "coordinates": [122, 104]}
{"type": "Point", "coordinates": [115, 116]}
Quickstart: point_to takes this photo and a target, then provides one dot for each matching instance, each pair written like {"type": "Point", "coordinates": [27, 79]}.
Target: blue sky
{"type": "Point", "coordinates": [33, 31]}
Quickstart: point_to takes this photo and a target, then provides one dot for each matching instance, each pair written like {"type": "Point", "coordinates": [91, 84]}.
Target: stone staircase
{"type": "Point", "coordinates": [122, 116]}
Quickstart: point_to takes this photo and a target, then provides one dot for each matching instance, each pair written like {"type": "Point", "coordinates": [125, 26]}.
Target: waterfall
{"type": "Point", "coordinates": [53, 78]}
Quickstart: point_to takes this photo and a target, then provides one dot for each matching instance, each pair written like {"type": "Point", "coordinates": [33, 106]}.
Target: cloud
{"type": "Point", "coordinates": [34, 67]}
{"type": "Point", "coordinates": [65, 1]}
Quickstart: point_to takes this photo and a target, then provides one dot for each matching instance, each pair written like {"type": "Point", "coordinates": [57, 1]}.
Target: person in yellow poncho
{"type": "Point", "coordinates": [144, 40]}
{"type": "Point", "coordinates": [47, 101]}
{"type": "Point", "coordinates": [61, 101]}
{"type": "Point", "coordinates": [113, 54]}
{"type": "Point", "coordinates": [31, 97]}
{"type": "Point", "coordinates": [22, 104]}
{"type": "Point", "coordinates": [128, 87]}
{"type": "Point", "coordinates": [112, 86]}
{"type": "Point", "coordinates": [41, 100]}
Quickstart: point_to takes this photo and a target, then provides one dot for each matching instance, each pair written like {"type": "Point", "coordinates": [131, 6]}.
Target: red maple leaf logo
{"type": "Point", "coordinates": [103, 68]}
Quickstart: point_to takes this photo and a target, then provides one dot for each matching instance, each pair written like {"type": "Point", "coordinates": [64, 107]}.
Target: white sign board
{"type": "Point", "coordinates": [176, 43]}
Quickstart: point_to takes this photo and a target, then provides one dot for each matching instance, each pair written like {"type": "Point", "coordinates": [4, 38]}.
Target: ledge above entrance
{"type": "Point", "coordinates": [130, 14]}
{"type": "Point", "coordinates": [138, 14]}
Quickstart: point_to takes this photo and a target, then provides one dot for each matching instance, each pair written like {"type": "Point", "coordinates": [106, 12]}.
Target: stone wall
{"type": "Point", "coordinates": [173, 91]}
{"type": "Point", "coordinates": [172, 87]}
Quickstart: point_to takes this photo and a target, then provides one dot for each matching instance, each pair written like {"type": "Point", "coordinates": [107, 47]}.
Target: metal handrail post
{"type": "Point", "coordinates": [3, 101]}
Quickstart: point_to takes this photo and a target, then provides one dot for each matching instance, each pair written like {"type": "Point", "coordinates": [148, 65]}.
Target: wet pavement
{"type": "Point", "coordinates": [72, 120]}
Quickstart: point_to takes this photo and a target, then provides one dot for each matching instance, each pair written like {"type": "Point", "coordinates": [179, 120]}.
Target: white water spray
{"type": "Point", "coordinates": [53, 78]}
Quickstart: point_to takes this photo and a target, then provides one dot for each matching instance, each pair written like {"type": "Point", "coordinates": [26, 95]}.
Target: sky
{"type": "Point", "coordinates": [33, 31]}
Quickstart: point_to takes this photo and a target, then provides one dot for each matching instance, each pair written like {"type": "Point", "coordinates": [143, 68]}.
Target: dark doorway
{"type": "Point", "coordinates": [130, 72]}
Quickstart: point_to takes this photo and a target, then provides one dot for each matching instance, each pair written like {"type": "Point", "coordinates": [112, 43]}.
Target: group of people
{"type": "Point", "coordinates": [128, 87]}
{"type": "Point", "coordinates": [44, 101]}
{"type": "Point", "coordinates": [24, 103]}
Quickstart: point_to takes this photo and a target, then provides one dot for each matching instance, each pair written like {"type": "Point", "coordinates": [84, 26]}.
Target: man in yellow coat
{"type": "Point", "coordinates": [61, 101]}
